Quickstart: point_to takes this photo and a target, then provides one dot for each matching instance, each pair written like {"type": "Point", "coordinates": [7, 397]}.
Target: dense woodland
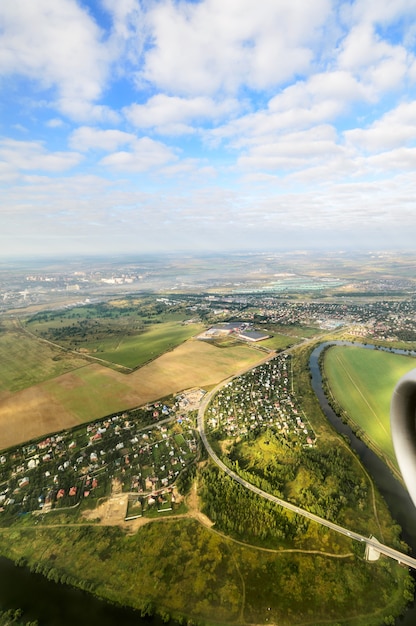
{"type": "Point", "coordinates": [242, 514]}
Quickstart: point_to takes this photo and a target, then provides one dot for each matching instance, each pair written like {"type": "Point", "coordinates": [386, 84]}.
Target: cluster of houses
{"type": "Point", "coordinates": [261, 399]}
{"type": "Point", "coordinates": [145, 449]}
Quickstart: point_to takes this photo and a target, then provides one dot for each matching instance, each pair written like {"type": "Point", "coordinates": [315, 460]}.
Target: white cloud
{"type": "Point", "coordinates": [87, 138]}
{"type": "Point", "coordinates": [57, 44]}
{"type": "Point", "coordinates": [400, 159]}
{"type": "Point", "coordinates": [215, 45]}
{"type": "Point", "coordinates": [7, 172]}
{"type": "Point", "coordinates": [84, 111]}
{"type": "Point", "coordinates": [278, 100]}
{"type": "Point", "coordinates": [382, 11]}
{"type": "Point", "coordinates": [379, 64]}
{"type": "Point", "coordinates": [32, 155]}
{"type": "Point", "coordinates": [54, 123]}
{"type": "Point", "coordinates": [293, 150]}
{"type": "Point", "coordinates": [146, 154]}
{"type": "Point", "coordinates": [127, 31]}
{"type": "Point", "coordinates": [394, 129]}
{"type": "Point", "coordinates": [319, 100]}
{"type": "Point", "coordinates": [169, 114]}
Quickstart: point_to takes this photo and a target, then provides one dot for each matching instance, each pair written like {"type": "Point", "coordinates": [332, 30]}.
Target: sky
{"type": "Point", "coordinates": [133, 126]}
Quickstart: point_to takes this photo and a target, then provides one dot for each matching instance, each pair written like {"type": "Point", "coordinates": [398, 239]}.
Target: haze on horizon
{"type": "Point", "coordinates": [137, 126]}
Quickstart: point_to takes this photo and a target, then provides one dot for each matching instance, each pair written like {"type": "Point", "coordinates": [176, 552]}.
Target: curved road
{"type": "Point", "coordinates": [379, 547]}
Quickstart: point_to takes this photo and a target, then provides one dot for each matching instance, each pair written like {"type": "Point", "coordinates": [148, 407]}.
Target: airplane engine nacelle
{"type": "Point", "coordinates": [403, 429]}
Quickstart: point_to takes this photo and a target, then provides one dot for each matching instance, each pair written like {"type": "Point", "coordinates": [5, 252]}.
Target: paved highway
{"type": "Point", "coordinates": [386, 550]}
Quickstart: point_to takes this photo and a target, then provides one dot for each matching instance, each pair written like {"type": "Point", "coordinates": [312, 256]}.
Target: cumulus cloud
{"type": "Point", "coordinates": [87, 138]}
{"type": "Point", "coordinates": [394, 129]}
{"type": "Point", "coordinates": [83, 111]}
{"type": "Point", "coordinates": [382, 11]}
{"type": "Point", "coordinates": [378, 63]}
{"type": "Point", "coordinates": [214, 45]}
{"type": "Point", "coordinates": [146, 154]}
{"type": "Point", "coordinates": [170, 114]}
{"type": "Point", "coordinates": [56, 44]}
{"type": "Point", "coordinates": [32, 155]}
{"type": "Point", "coordinates": [305, 104]}
{"type": "Point", "coordinates": [293, 150]}
{"type": "Point", "coordinates": [268, 116]}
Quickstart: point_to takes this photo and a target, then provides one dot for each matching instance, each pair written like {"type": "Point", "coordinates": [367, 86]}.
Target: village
{"type": "Point", "coordinates": [142, 451]}
{"type": "Point", "coordinates": [261, 399]}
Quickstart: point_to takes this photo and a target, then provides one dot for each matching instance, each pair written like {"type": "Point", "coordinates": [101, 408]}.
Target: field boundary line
{"type": "Point", "coordinates": [87, 357]}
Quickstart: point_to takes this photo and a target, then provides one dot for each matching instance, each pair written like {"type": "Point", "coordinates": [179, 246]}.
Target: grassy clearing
{"type": "Point", "coordinates": [362, 381]}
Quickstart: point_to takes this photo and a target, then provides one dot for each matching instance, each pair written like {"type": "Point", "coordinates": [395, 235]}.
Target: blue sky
{"type": "Point", "coordinates": [129, 126]}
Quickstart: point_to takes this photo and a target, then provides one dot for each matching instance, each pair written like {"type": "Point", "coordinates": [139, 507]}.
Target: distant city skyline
{"type": "Point", "coordinates": [135, 126]}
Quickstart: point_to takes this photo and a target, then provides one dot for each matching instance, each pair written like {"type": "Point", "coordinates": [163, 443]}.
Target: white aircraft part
{"type": "Point", "coordinates": [403, 429]}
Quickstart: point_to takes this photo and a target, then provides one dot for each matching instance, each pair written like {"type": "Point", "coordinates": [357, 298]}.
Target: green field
{"type": "Point", "coordinates": [136, 350]}
{"type": "Point", "coordinates": [280, 342]}
{"type": "Point", "coordinates": [124, 332]}
{"type": "Point", "coordinates": [93, 390]}
{"type": "Point", "coordinates": [26, 361]}
{"type": "Point", "coordinates": [362, 382]}
{"type": "Point", "coordinates": [294, 330]}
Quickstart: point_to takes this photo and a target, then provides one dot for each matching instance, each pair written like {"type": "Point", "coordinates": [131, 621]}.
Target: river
{"type": "Point", "coordinates": [60, 605]}
{"type": "Point", "coordinates": [396, 496]}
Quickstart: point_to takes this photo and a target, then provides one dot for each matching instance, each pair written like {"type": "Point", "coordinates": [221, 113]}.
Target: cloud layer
{"type": "Point", "coordinates": [137, 125]}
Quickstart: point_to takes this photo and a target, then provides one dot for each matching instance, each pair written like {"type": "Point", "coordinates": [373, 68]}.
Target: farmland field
{"type": "Point", "coordinates": [135, 351]}
{"type": "Point", "coordinates": [24, 361]}
{"type": "Point", "coordinates": [362, 381]}
{"type": "Point", "coordinates": [94, 390]}
{"type": "Point", "coordinates": [294, 330]}
{"type": "Point", "coordinates": [127, 333]}
{"type": "Point", "coordinates": [280, 341]}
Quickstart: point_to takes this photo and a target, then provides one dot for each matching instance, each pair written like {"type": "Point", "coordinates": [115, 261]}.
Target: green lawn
{"type": "Point", "coordinates": [362, 381]}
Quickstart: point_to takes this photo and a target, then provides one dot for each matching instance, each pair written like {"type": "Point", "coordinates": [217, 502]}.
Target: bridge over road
{"type": "Point", "coordinates": [369, 541]}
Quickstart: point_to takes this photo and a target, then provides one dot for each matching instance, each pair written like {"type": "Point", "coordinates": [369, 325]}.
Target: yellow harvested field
{"type": "Point", "coordinates": [93, 391]}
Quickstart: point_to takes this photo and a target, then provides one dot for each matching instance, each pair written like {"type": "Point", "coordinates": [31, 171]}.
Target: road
{"type": "Point", "coordinates": [383, 549]}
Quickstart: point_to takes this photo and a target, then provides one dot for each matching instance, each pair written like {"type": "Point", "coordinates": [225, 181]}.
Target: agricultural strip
{"type": "Point", "coordinates": [134, 351]}
{"type": "Point", "coordinates": [94, 390]}
{"type": "Point", "coordinates": [362, 382]}
{"type": "Point", "coordinates": [24, 361]}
